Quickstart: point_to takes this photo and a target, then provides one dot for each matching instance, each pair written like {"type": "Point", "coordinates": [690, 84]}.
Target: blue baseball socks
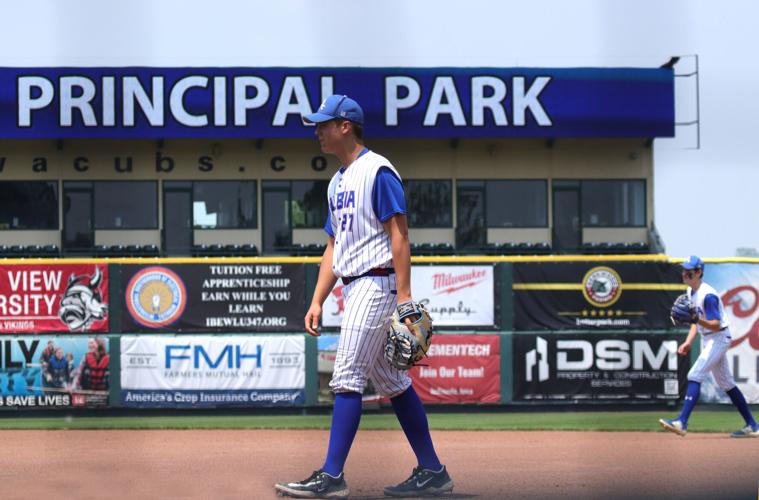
{"type": "Point", "coordinates": [345, 419]}
{"type": "Point", "coordinates": [347, 415]}
{"type": "Point", "coordinates": [413, 419]}
{"type": "Point", "coordinates": [691, 398]}
{"type": "Point", "coordinates": [736, 396]}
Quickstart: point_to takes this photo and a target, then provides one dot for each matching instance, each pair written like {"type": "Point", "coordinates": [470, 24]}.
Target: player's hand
{"type": "Point", "coordinates": [312, 320]}
{"type": "Point", "coordinates": [410, 320]}
{"type": "Point", "coordinates": [683, 349]}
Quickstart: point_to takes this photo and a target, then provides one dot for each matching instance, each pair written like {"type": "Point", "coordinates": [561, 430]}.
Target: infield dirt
{"type": "Point", "coordinates": [232, 464]}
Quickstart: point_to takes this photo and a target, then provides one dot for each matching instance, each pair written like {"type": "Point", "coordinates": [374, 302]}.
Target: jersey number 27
{"type": "Point", "coordinates": [347, 220]}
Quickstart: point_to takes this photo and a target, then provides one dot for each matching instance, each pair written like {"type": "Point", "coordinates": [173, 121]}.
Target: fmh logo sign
{"type": "Point", "coordinates": [230, 357]}
{"type": "Point", "coordinates": [603, 355]}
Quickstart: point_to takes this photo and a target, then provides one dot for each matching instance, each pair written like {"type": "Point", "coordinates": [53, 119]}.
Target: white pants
{"type": "Point", "coordinates": [713, 358]}
{"type": "Point", "coordinates": [369, 304]}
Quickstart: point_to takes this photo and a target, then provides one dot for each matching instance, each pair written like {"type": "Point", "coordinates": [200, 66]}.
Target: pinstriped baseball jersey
{"type": "Point", "coordinates": [697, 299]}
{"type": "Point", "coordinates": [361, 242]}
{"type": "Point", "coordinates": [714, 345]}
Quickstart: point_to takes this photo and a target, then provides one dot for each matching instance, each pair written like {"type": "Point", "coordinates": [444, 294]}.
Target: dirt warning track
{"type": "Point", "coordinates": [232, 464]}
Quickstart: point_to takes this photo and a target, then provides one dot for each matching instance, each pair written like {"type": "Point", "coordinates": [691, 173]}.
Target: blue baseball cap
{"type": "Point", "coordinates": [693, 262]}
{"type": "Point", "coordinates": [336, 106]}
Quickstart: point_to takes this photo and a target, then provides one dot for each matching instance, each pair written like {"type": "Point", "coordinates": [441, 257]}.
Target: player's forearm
{"type": "Point", "coordinates": [397, 229]}
{"type": "Point", "coordinates": [402, 265]}
{"type": "Point", "coordinates": [691, 335]}
{"type": "Point", "coordinates": [327, 279]}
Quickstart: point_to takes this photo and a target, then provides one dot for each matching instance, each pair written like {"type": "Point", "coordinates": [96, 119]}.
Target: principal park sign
{"type": "Point", "coordinates": [141, 102]}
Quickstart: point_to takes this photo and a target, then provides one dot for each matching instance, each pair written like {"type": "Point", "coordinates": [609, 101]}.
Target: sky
{"type": "Point", "coordinates": [704, 200]}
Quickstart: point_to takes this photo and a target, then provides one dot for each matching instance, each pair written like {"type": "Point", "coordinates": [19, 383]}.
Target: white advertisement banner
{"type": "Point", "coordinates": [738, 287]}
{"type": "Point", "coordinates": [456, 296]}
{"type": "Point", "coordinates": [223, 363]}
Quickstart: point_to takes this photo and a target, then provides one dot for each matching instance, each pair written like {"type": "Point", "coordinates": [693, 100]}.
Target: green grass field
{"type": "Point", "coordinates": [706, 420]}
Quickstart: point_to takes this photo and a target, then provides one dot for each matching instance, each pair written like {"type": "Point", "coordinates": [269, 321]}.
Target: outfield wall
{"type": "Point", "coordinates": [199, 333]}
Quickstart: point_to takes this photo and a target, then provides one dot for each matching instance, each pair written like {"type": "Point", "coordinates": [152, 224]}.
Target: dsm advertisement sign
{"type": "Point", "coordinates": [148, 102]}
{"type": "Point", "coordinates": [206, 371]}
{"type": "Point", "coordinates": [626, 367]}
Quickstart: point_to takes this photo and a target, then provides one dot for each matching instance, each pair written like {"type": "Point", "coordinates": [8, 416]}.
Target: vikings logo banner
{"type": "Point", "coordinates": [38, 298]}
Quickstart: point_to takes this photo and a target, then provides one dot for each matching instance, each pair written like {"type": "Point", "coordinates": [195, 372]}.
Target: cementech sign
{"type": "Point", "coordinates": [148, 102]}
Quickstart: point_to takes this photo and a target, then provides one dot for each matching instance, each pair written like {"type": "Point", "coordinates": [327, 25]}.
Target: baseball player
{"type": "Point", "coordinates": [706, 316]}
{"type": "Point", "coordinates": [368, 250]}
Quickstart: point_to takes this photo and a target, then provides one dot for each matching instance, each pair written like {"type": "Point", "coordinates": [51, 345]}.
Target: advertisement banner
{"type": "Point", "coordinates": [594, 295]}
{"type": "Point", "coordinates": [207, 371]}
{"type": "Point", "coordinates": [197, 102]}
{"type": "Point", "coordinates": [213, 297]}
{"type": "Point", "coordinates": [327, 353]}
{"type": "Point", "coordinates": [42, 298]}
{"type": "Point", "coordinates": [460, 369]}
{"type": "Point", "coordinates": [54, 372]}
{"type": "Point", "coordinates": [455, 296]}
{"type": "Point", "coordinates": [738, 287]}
{"type": "Point", "coordinates": [592, 366]}
{"type": "Point", "coordinates": [325, 366]}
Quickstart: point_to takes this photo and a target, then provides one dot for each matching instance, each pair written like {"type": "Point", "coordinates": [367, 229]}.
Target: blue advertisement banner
{"type": "Point", "coordinates": [147, 102]}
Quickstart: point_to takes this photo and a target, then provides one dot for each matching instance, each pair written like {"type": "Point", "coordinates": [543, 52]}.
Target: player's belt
{"type": "Point", "coordinates": [377, 271]}
{"type": "Point", "coordinates": [713, 332]}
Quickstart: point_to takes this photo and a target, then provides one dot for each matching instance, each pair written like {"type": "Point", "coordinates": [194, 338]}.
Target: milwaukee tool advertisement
{"type": "Point", "coordinates": [455, 296]}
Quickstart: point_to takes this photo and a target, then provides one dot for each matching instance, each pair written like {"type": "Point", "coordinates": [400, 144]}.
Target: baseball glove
{"type": "Point", "coordinates": [683, 313]}
{"type": "Point", "coordinates": [408, 344]}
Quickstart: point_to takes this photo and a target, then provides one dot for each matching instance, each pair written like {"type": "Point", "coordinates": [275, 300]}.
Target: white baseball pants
{"type": "Point", "coordinates": [369, 305]}
{"type": "Point", "coordinates": [713, 359]}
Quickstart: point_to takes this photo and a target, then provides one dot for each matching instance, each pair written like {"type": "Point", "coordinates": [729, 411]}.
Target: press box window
{"type": "Point", "coordinates": [308, 203]}
{"type": "Point", "coordinates": [517, 203]}
{"type": "Point", "coordinates": [126, 205]}
{"type": "Point", "coordinates": [224, 205]}
{"type": "Point", "coordinates": [29, 205]}
{"type": "Point", "coordinates": [613, 203]}
{"type": "Point", "coordinates": [428, 203]}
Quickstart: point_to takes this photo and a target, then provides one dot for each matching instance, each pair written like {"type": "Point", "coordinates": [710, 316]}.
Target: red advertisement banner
{"type": "Point", "coordinates": [460, 369]}
{"type": "Point", "coordinates": [42, 298]}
